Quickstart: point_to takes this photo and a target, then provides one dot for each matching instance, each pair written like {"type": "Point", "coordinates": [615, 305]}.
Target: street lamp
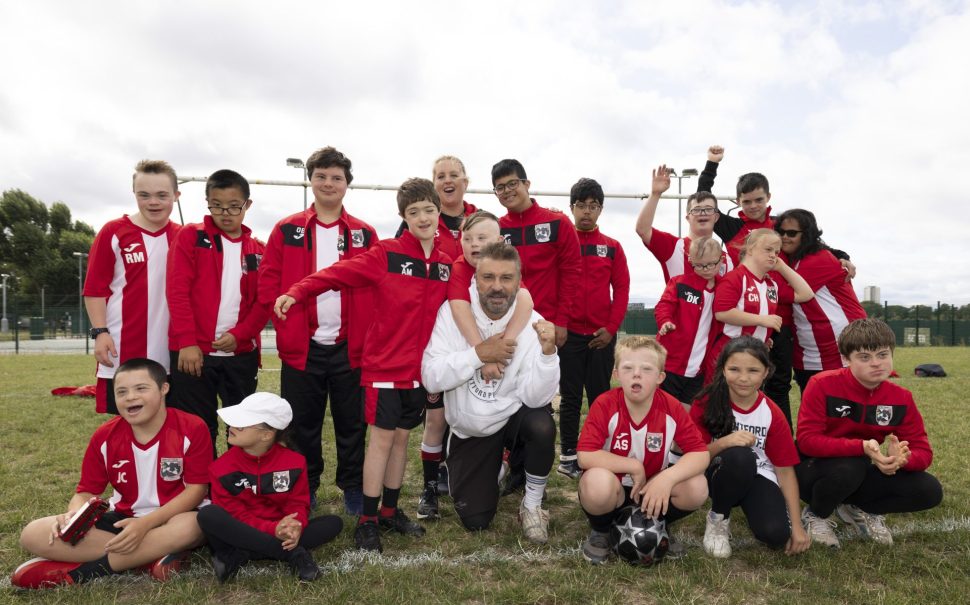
{"type": "Point", "coordinates": [80, 256]}
{"type": "Point", "coordinates": [4, 324]}
{"type": "Point", "coordinates": [686, 173]}
{"type": "Point", "coordinates": [298, 163]}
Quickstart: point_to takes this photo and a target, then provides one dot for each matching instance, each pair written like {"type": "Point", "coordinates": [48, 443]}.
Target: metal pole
{"type": "Point", "coordinates": [4, 324]}
{"type": "Point", "coordinates": [680, 201]}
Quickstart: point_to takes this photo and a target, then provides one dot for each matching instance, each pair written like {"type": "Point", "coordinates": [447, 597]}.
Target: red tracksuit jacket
{"type": "Point", "coordinates": [408, 290]}
{"type": "Point", "coordinates": [604, 268]}
{"type": "Point", "coordinates": [261, 490]}
{"type": "Point", "coordinates": [688, 303]}
{"type": "Point", "coordinates": [837, 414]}
{"type": "Point", "coordinates": [551, 265]}
{"type": "Point", "coordinates": [290, 257]}
{"type": "Point", "coordinates": [194, 288]}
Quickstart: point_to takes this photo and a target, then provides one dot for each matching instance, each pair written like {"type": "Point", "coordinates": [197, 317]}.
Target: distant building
{"type": "Point", "coordinates": [635, 306]}
{"type": "Point", "coordinates": [871, 294]}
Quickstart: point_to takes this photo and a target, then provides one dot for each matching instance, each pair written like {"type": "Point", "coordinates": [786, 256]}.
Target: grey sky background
{"type": "Point", "coordinates": [855, 110]}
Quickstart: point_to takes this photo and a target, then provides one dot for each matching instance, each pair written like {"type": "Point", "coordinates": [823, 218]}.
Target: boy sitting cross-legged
{"type": "Point", "coordinates": [156, 460]}
{"type": "Point", "coordinates": [624, 447]}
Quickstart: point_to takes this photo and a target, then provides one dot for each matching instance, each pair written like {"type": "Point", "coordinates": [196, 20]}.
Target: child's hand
{"type": "Point", "coordinates": [655, 496]}
{"type": "Point", "coordinates": [666, 328]}
{"type": "Point", "coordinates": [715, 153]}
{"type": "Point", "coordinates": [282, 305]}
{"type": "Point", "coordinates": [885, 464]}
{"type": "Point", "coordinates": [897, 449]}
{"type": "Point", "coordinates": [739, 439]}
{"type": "Point", "coordinates": [639, 478]}
{"type": "Point", "coordinates": [288, 530]}
{"type": "Point", "coordinates": [492, 371]}
{"type": "Point", "coordinates": [132, 533]}
{"type": "Point", "coordinates": [60, 521]}
{"type": "Point", "coordinates": [225, 343]}
{"type": "Point", "coordinates": [849, 269]}
{"type": "Point", "coordinates": [799, 541]}
{"type": "Point", "coordinates": [495, 349]}
{"type": "Point", "coordinates": [190, 361]}
{"type": "Point", "coordinates": [601, 338]}
{"type": "Point", "coordinates": [661, 180]}
{"type": "Point", "coordinates": [104, 349]}
{"type": "Point", "coordinates": [772, 322]}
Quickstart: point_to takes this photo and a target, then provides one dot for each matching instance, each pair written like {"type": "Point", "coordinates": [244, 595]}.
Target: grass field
{"type": "Point", "coordinates": [42, 439]}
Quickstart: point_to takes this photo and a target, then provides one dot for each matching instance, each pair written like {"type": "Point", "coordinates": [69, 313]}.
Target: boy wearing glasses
{"type": "Point", "coordinates": [216, 318]}
{"type": "Point", "coordinates": [549, 251]}
{"type": "Point", "coordinates": [124, 291]}
{"type": "Point", "coordinates": [586, 359]}
{"type": "Point", "coordinates": [671, 251]}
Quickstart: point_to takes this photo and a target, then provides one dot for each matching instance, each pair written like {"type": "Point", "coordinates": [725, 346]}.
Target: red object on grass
{"type": "Point", "coordinates": [85, 391]}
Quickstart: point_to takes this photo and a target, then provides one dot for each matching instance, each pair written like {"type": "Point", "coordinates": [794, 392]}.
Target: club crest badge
{"type": "Point", "coordinates": [601, 251]}
{"type": "Point", "coordinates": [654, 441]}
{"type": "Point", "coordinates": [170, 469]}
{"type": "Point", "coordinates": [444, 272]}
{"type": "Point", "coordinates": [341, 243]}
{"type": "Point", "coordinates": [543, 232]}
{"type": "Point", "coordinates": [884, 415]}
{"type": "Point", "coordinates": [357, 238]}
{"type": "Point", "coordinates": [773, 294]}
{"type": "Point", "coordinates": [434, 397]}
{"type": "Point", "coordinates": [281, 481]}
{"type": "Point", "coordinates": [508, 238]}
{"type": "Point", "coordinates": [481, 388]}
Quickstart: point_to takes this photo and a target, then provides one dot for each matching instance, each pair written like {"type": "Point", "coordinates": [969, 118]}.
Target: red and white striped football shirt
{"type": "Point", "coordinates": [127, 266]}
{"type": "Point", "coordinates": [145, 476]}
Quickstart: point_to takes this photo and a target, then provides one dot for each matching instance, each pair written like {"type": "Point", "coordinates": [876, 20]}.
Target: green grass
{"type": "Point", "coordinates": [42, 439]}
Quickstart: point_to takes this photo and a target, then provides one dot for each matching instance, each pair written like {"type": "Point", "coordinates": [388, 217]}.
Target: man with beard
{"type": "Point", "coordinates": [488, 416]}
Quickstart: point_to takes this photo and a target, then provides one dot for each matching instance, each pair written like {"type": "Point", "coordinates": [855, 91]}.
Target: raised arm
{"type": "Point", "coordinates": [659, 184]}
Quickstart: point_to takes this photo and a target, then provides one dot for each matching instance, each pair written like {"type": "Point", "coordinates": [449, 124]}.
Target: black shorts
{"type": "Point", "coordinates": [108, 520]}
{"type": "Point", "coordinates": [391, 409]}
{"type": "Point", "coordinates": [436, 401]}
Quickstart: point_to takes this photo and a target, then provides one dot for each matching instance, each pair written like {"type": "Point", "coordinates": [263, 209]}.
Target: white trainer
{"type": "Point", "coordinates": [717, 536]}
{"type": "Point", "coordinates": [865, 524]}
{"type": "Point", "coordinates": [819, 529]}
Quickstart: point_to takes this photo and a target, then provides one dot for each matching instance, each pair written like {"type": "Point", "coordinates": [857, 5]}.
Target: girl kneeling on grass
{"type": "Point", "coordinates": [752, 453]}
{"type": "Point", "coordinates": [260, 495]}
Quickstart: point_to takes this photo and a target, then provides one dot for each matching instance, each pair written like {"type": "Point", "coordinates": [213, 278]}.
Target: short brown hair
{"type": "Point", "coordinates": [701, 196]}
{"type": "Point", "coordinates": [328, 157]}
{"type": "Point", "coordinates": [701, 246]}
{"type": "Point", "coordinates": [155, 167]}
{"type": "Point", "coordinates": [632, 343]}
{"type": "Point", "coordinates": [868, 334]}
{"type": "Point", "coordinates": [479, 216]}
{"type": "Point", "coordinates": [416, 190]}
{"type": "Point", "coordinates": [501, 251]}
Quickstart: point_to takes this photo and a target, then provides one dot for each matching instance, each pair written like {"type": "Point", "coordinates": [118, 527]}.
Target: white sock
{"type": "Point", "coordinates": [535, 487]}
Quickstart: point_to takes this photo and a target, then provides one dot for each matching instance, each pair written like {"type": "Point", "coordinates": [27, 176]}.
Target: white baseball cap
{"type": "Point", "coordinates": [258, 408]}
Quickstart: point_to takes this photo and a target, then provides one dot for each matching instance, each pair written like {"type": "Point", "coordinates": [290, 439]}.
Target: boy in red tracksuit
{"type": "Point", "coordinates": [685, 321]}
{"type": "Point", "coordinates": [215, 317]}
{"type": "Point", "coordinates": [586, 359]}
{"type": "Point", "coordinates": [321, 343]}
{"type": "Point", "coordinates": [410, 278]}
{"type": "Point", "coordinates": [551, 264]}
{"type": "Point", "coordinates": [862, 441]}
{"type": "Point", "coordinates": [124, 291]}
{"type": "Point", "coordinates": [260, 498]}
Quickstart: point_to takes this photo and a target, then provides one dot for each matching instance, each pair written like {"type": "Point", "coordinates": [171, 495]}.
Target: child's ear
{"type": "Point", "coordinates": [615, 375]}
{"type": "Point", "coordinates": [661, 377]}
{"type": "Point", "coordinates": [164, 389]}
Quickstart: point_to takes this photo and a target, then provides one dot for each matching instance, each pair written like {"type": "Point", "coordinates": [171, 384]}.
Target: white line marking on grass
{"type": "Point", "coordinates": [351, 560]}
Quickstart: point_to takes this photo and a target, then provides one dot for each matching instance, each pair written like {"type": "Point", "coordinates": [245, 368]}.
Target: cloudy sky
{"type": "Point", "coordinates": [855, 110]}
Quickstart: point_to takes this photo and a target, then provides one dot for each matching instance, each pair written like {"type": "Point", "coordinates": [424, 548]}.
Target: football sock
{"type": "Point", "coordinates": [535, 487]}
{"type": "Point", "coordinates": [431, 456]}
{"type": "Point", "coordinates": [674, 513]}
{"type": "Point", "coordinates": [91, 570]}
{"type": "Point", "coordinates": [369, 508]}
{"type": "Point", "coordinates": [601, 523]}
{"type": "Point", "coordinates": [389, 501]}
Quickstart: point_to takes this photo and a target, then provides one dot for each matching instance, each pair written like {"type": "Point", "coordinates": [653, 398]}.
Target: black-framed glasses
{"type": "Point", "coordinates": [705, 266]}
{"type": "Point", "coordinates": [231, 210]}
{"type": "Point", "coordinates": [702, 211]}
{"type": "Point", "coordinates": [788, 232]}
{"type": "Point", "coordinates": [510, 185]}
{"type": "Point", "coordinates": [592, 207]}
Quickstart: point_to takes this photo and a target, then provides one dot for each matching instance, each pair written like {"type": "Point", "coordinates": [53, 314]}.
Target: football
{"type": "Point", "coordinates": [637, 539]}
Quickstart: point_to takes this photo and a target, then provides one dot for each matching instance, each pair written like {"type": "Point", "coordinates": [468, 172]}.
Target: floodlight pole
{"type": "Point", "coordinates": [80, 256]}
{"type": "Point", "coordinates": [4, 323]}
{"type": "Point", "coordinates": [686, 173]}
{"type": "Point", "coordinates": [298, 163]}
